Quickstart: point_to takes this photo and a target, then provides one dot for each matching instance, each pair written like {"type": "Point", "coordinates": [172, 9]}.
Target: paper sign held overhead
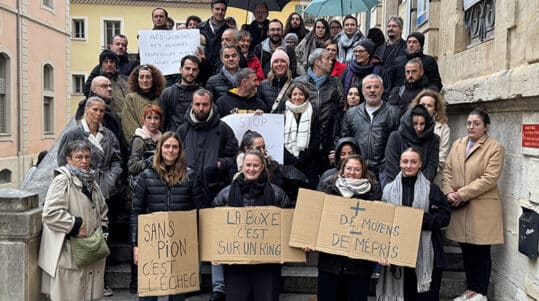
{"type": "Point", "coordinates": [247, 235]}
{"type": "Point", "coordinates": [356, 228]}
{"type": "Point", "coordinates": [168, 253]}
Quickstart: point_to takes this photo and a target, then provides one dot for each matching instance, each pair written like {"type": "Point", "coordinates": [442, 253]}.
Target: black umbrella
{"type": "Point", "coordinates": [273, 5]}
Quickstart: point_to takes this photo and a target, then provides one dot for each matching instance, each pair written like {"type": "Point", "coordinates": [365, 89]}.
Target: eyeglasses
{"type": "Point", "coordinates": [359, 51]}
{"type": "Point", "coordinates": [474, 124]}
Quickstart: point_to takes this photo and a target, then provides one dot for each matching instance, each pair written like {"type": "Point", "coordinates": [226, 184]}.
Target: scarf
{"type": "Point", "coordinates": [195, 119]}
{"type": "Point", "coordinates": [232, 78]}
{"type": "Point", "coordinates": [350, 187]}
{"type": "Point", "coordinates": [150, 96]}
{"type": "Point", "coordinates": [345, 43]}
{"type": "Point", "coordinates": [155, 137]}
{"type": "Point", "coordinates": [86, 176]}
{"type": "Point", "coordinates": [318, 80]}
{"type": "Point", "coordinates": [389, 288]}
{"type": "Point", "coordinates": [251, 193]}
{"type": "Point", "coordinates": [95, 140]}
{"type": "Point", "coordinates": [297, 134]}
{"type": "Point", "coordinates": [355, 70]}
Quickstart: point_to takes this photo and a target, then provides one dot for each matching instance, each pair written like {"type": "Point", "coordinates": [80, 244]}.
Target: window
{"type": "Point", "coordinates": [422, 12]}
{"type": "Point", "coordinates": [48, 3]}
{"type": "Point", "coordinates": [5, 176]}
{"type": "Point", "coordinates": [4, 94]}
{"type": "Point", "coordinates": [111, 28]}
{"type": "Point", "coordinates": [48, 99]}
{"type": "Point", "coordinates": [78, 29]}
{"type": "Point", "coordinates": [78, 83]}
{"type": "Point", "coordinates": [479, 19]}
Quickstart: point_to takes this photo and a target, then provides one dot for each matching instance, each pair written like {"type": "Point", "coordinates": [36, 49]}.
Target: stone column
{"type": "Point", "coordinates": [20, 234]}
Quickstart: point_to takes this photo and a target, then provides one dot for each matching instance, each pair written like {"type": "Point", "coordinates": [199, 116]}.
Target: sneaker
{"type": "Point", "coordinates": [217, 296]}
{"type": "Point", "coordinates": [107, 291]}
{"type": "Point", "coordinates": [463, 297]}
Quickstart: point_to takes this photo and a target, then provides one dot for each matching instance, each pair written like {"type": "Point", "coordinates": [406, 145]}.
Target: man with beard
{"type": "Point", "coordinates": [175, 99]}
{"type": "Point", "coordinates": [414, 49]}
{"type": "Point", "coordinates": [265, 49]}
{"type": "Point", "coordinates": [392, 48]}
{"type": "Point", "coordinates": [415, 83]}
{"type": "Point", "coordinates": [259, 27]}
{"type": "Point", "coordinates": [242, 99]}
{"type": "Point", "coordinates": [125, 66]}
{"type": "Point", "coordinates": [295, 24]}
{"type": "Point", "coordinates": [370, 123]}
{"type": "Point", "coordinates": [210, 148]}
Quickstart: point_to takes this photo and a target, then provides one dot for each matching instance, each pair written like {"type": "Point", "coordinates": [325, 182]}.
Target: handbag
{"type": "Point", "coordinates": [87, 250]}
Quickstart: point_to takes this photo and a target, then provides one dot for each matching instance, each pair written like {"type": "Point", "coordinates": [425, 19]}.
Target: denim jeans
{"type": "Point", "coordinates": [217, 278]}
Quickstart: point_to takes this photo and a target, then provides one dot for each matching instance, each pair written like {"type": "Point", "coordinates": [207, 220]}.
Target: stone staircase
{"type": "Point", "coordinates": [298, 279]}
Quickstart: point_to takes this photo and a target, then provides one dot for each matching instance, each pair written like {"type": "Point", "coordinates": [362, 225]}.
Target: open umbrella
{"type": "Point", "coordinates": [339, 7]}
{"type": "Point", "coordinates": [273, 5]}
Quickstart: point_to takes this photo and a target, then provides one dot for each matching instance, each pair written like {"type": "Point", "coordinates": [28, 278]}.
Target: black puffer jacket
{"type": "Point", "coordinates": [327, 102]}
{"type": "Point", "coordinates": [174, 102]}
{"type": "Point", "coordinates": [427, 142]}
{"type": "Point", "coordinates": [281, 199]}
{"type": "Point", "coordinates": [218, 85]}
{"type": "Point", "coordinates": [371, 136]}
{"type": "Point", "coordinates": [337, 264]}
{"type": "Point", "coordinates": [268, 91]}
{"type": "Point", "coordinates": [152, 195]}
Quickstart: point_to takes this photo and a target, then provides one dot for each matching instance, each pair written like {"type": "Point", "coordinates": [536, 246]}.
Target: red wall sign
{"type": "Point", "coordinates": [530, 135]}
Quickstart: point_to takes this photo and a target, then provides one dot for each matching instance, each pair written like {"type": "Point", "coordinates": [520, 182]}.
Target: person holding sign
{"type": "Point", "coordinates": [471, 174]}
{"type": "Point", "coordinates": [412, 189]}
{"type": "Point", "coordinates": [340, 277]}
{"type": "Point", "coordinates": [252, 187]}
{"type": "Point", "coordinates": [168, 185]}
{"type": "Point", "coordinates": [74, 208]}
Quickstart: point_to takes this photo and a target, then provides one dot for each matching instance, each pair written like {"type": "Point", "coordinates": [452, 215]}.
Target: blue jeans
{"type": "Point", "coordinates": [178, 297]}
{"type": "Point", "coordinates": [217, 278]}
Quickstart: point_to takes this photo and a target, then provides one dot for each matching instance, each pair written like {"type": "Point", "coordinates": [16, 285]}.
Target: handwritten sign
{"type": "Point", "coordinates": [530, 135]}
{"type": "Point", "coordinates": [356, 228]}
{"type": "Point", "coordinates": [247, 235]}
{"type": "Point", "coordinates": [270, 126]}
{"type": "Point", "coordinates": [166, 48]}
{"type": "Point", "coordinates": [167, 253]}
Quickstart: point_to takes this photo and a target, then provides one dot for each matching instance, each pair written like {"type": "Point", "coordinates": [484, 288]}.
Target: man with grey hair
{"type": "Point", "coordinates": [392, 48]}
{"type": "Point", "coordinates": [325, 95]}
{"type": "Point", "coordinates": [370, 123]}
{"type": "Point", "coordinates": [243, 99]}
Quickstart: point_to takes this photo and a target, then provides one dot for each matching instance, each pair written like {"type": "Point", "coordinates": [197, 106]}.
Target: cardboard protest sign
{"type": "Point", "coordinates": [270, 126]}
{"type": "Point", "coordinates": [166, 48]}
{"type": "Point", "coordinates": [247, 235]}
{"type": "Point", "coordinates": [356, 228]}
{"type": "Point", "coordinates": [167, 253]}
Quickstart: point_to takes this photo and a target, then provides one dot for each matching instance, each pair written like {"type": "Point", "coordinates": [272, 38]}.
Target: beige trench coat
{"type": "Point", "coordinates": [475, 179]}
{"type": "Point", "coordinates": [61, 278]}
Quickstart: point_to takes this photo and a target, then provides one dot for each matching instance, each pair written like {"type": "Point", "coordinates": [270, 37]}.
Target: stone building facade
{"type": "Point", "coordinates": [34, 66]}
{"type": "Point", "coordinates": [488, 54]}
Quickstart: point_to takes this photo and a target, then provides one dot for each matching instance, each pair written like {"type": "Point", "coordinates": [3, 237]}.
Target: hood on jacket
{"type": "Point", "coordinates": [342, 142]}
{"type": "Point", "coordinates": [212, 121]}
{"type": "Point", "coordinates": [406, 127]}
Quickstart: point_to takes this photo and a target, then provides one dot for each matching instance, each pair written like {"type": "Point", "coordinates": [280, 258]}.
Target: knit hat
{"type": "Point", "coordinates": [419, 36]}
{"type": "Point", "coordinates": [292, 36]}
{"type": "Point", "coordinates": [280, 54]}
{"type": "Point", "coordinates": [107, 54]}
{"type": "Point", "coordinates": [367, 44]}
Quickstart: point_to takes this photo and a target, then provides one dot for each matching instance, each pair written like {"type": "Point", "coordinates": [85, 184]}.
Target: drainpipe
{"type": "Point", "coordinates": [408, 17]}
{"type": "Point", "coordinates": [20, 130]}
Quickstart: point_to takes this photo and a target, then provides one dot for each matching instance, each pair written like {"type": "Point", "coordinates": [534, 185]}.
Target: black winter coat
{"type": "Point", "coordinates": [206, 143]}
{"type": "Point", "coordinates": [327, 102]}
{"type": "Point", "coordinates": [218, 85]}
{"type": "Point", "coordinates": [174, 102]}
{"type": "Point", "coordinates": [403, 95]}
{"type": "Point", "coordinates": [372, 135]}
{"type": "Point", "coordinates": [268, 91]}
{"type": "Point", "coordinates": [231, 102]}
{"type": "Point", "coordinates": [337, 264]}
{"type": "Point", "coordinates": [427, 142]}
{"type": "Point", "coordinates": [388, 53]}
{"type": "Point", "coordinates": [151, 194]}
